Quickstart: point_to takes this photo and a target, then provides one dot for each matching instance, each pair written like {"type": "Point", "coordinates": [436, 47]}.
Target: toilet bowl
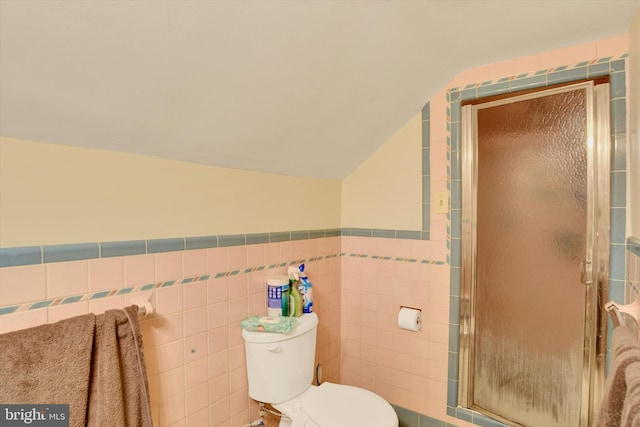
{"type": "Point", "coordinates": [336, 405]}
{"type": "Point", "coordinates": [280, 371]}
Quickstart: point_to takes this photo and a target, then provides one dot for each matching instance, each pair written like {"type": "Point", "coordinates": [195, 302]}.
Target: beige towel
{"type": "Point", "coordinates": [118, 393]}
{"type": "Point", "coordinates": [93, 363]}
{"type": "Point", "coordinates": [625, 352]}
{"type": "Point", "coordinates": [631, 407]}
{"type": "Point", "coordinates": [49, 364]}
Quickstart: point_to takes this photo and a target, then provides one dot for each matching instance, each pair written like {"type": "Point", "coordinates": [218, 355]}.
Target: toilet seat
{"type": "Point", "coordinates": [334, 405]}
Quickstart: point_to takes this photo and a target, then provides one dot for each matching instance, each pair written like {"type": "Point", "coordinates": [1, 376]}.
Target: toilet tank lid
{"type": "Point", "coordinates": [305, 323]}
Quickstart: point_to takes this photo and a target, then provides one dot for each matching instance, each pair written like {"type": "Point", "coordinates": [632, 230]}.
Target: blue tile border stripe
{"type": "Point", "coordinates": [72, 252]}
{"type": "Point", "coordinates": [165, 245]}
{"type": "Point", "coordinates": [426, 171]}
{"type": "Point", "coordinates": [131, 247]}
{"type": "Point", "coordinates": [189, 280]}
{"type": "Point", "coordinates": [561, 74]}
{"type": "Point", "coordinates": [12, 257]}
{"type": "Point", "coordinates": [409, 418]}
{"type": "Point", "coordinates": [9, 309]}
{"type": "Point", "coordinates": [20, 256]}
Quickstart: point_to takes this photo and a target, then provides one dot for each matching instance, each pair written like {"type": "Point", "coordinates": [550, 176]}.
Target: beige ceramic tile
{"type": "Point", "coordinates": [200, 418]}
{"type": "Point", "coordinates": [168, 328]}
{"type": "Point", "coordinates": [237, 380]}
{"type": "Point", "coordinates": [301, 249]}
{"type": "Point", "coordinates": [218, 314]}
{"type": "Point", "coordinates": [168, 266]}
{"type": "Point", "coordinates": [170, 356]}
{"type": "Point", "coordinates": [194, 262]}
{"type": "Point", "coordinates": [169, 299]}
{"type": "Point", "coordinates": [172, 410]}
{"type": "Point", "coordinates": [219, 388]}
{"type": "Point", "coordinates": [238, 309]}
{"type": "Point", "coordinates": [197, 399]}
{"type": "Point", "coordinates": [258, 304]}
{"type": "Point", "coordinates": [257, 282]}
{"type": "Point", "coordinates": [196, 373]}
{"type": "Point", "coordinates": [286, 251]}
{"type": "Point", "coordinates": [171, 383]}
{"type": "Point", "coordinates": [239, 402]}
{"type": "Point", "coordinates": [242, 418]}
{"type": "Point", "coordinates": [61, 312]}
{"type": "Point", "coordinates": [237, 357]}
{"type": "Point", "coordinates": [22, 284]}
{"type": "Point", "coordinates": [420, 365]}
{"type": "Point", "coordinates": [217, 260]}
{"type": "Point", "coordinates": [235, 334]}
{"type": "Point", "coordinates": [272, 253]}
{"type": "Point", "coordinates": [256, 255]}
{"type": "Point", "coordinates": [218, 339]}
{"type": "Point", "coordinates": [219, 412]}
{"type": "Point", "coordinates": [100, 305]}
{"type": "Point", "coordinates": [237, 258]}
{"type": "Point", "coordinates": [217, 290]}
{"type": "Point", "coordinates": [139, 269]}
{"type": "Point", "coordinates": [106, 274]}
{"type": "Point", "coordinates": [196, 347]}
{"type": "Point", "coordinates": [195, 321]}
{"type": "Point", "coordinates": [218, 364]}
{"type": "Point", "coordinates": [67, 278]}
{"type": "Point", "coordinates": [195, 295]}
{"type": "Point", "coordinates": [23, 320]}
{"type": "Point", "coordinates": [237, 286]}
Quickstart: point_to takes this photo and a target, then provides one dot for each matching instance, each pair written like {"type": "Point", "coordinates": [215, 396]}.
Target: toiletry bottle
{"type": "Point", "coordinates": [286, 303]}
{"type": "Point", "coordinates": [304, 286]}
{"type": "Point", "coordinates": [295, 299]}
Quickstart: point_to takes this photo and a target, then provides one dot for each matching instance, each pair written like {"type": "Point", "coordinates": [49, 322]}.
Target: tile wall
{"type": "Point", "coordinates": [193, 344]}
{"type": "Point", "coordinates": [407, 368]}
{"type": "Point", "coordinates": [632, 288]}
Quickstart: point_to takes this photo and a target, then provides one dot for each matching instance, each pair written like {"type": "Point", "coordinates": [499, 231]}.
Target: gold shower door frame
{"type": "Point", "coordinates": [596, 259]}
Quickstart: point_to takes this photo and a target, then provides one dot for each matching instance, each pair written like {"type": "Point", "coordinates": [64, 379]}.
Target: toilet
{"type": "Point", "coordinates": [280, 371]}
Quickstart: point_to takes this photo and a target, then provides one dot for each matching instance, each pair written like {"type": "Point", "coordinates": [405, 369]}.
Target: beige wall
{"type": "Point", "coordinates": [385, 191]}
{"type": "Point", "coordinates": [634, 126]}
{"type": "Point", "coordinates": [54, 194]}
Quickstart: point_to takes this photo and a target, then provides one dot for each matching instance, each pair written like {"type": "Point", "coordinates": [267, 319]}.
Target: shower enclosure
{"type": "Point", "coordinates": [535, 224]}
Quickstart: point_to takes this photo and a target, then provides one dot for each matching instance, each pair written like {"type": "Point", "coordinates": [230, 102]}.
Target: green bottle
{"type": "Point", "coordinates": [285, 299]}
{"type": "Point", "coordinates": [295, 299]}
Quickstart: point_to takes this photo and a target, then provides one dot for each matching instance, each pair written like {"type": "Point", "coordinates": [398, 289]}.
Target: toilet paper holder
{"type": "Point", "coordinates": [410, 318]}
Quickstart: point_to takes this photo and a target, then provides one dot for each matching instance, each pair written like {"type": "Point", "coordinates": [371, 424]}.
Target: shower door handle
{"type": "Point", "coordinates": [587, 272]}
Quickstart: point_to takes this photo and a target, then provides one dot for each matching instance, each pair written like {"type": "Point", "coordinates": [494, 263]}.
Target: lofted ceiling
{"type": "Point", "coordinates": [307, 88]}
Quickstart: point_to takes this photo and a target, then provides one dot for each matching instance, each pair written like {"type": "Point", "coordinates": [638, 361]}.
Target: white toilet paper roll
{"type": "Point", "coordinates": [409, 318]}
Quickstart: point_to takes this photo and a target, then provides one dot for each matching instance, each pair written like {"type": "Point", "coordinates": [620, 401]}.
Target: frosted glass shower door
{"type": "Point", "coordinates": [531, 215]}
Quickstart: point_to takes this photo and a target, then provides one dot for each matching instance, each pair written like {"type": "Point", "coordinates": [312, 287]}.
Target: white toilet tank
{"type": "Point", "coordinates": [280, 366]}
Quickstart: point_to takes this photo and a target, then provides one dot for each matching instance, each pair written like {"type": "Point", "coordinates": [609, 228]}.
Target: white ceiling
{"type": "Point", "coordinates": [308, 88]}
